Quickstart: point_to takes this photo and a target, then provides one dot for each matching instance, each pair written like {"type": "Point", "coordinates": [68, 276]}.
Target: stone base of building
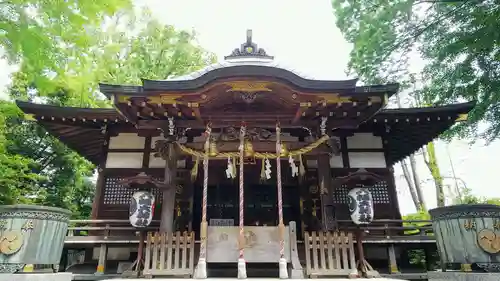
{"type": "Point", "coordinates": [263, 279]}
{"type": "Point", "coordinates": [63, 276]}
{"type": "Point", "coordinates": [67, 276]}
{"type": "Point", "coordinates": [462, 276]}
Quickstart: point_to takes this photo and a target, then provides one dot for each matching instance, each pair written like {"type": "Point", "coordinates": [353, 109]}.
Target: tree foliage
{"type": "Point", "coordinates": [457, 40]}
{"type": "Point", "coordinates": [17, 181]}
{"type": "Point", "coordinates": [38, 33]}
{"type": "Point", "coordinates": [156, 51]}
{"type": "Point", "coordinates": [466, 197]}
{"type": "Point", "coordinates": [38, 168]}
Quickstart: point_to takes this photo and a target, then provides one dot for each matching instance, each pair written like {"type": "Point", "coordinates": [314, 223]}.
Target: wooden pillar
{"type": "Point", "coordinates": [99, 191]}
{"type": "Point", "coordinates": [393, 194]}
{"type": "Point", "coordinates": [393, 265]}
{"type": "Point", "coordinates": [306, 199]}
{"type": "Point", "coordinates": [103, 255]}
{"type": "Point", "coordinates": [101, 181]}
{"type": "Point", "coordinates": [169, 153]}
{"type": "Point", "coordinates": [326, 191]}
{"type": "Point", "coordinates": [190, 186]}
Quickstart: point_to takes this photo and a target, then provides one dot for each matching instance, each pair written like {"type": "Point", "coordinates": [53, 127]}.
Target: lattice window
{"type": "Point", "coordinates": [117, 194]}
{"type": "Point", "coordinates": [380, 193]}
{"type": "Point", "coordinates": [340, 195]}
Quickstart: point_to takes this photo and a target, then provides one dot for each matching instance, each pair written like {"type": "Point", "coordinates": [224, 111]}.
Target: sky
{"type": "Point", "coordinates": [301, 34]}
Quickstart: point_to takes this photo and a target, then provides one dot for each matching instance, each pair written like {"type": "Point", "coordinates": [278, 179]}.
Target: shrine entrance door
{"type": "Point", "coordinates": [260, 205]}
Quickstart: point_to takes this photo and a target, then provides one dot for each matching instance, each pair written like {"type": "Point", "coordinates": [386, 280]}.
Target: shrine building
{"type": "Point", "coordinates": [220, 131]}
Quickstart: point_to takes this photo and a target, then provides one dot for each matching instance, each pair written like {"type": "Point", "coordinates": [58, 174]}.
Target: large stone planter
{"type": "Point", "coordinates": [31, 234]}
{"type": "Point", "coordinates": [468, 236]}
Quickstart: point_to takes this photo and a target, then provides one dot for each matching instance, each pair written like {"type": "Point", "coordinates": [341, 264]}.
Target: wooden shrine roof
{"type": "Point", "coordinates": [406, 130]}
{"type": "Point", "coordinates": [81, 129]}
{"type": "Point", "coordinates": [248, 85]}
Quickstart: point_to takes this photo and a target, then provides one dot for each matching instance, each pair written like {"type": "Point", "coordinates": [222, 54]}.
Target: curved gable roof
{"type": "Point", "coordinates": [259, 68]}
{"type": "Point", "coordinates": [246, 61]}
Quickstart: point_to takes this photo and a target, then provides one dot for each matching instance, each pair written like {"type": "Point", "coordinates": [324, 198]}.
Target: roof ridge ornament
{"type": "Point", "coordinates": [248, 50]}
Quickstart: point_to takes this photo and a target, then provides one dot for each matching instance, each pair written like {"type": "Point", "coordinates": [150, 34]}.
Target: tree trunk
{"type": "Point", "coordinates": [429, 156]}
{"type": "Point", "coordinates": [168, 204]}
{"type": "Point", "coordinates": [413, 184]}
{"type": "Point", "coordinates": [431, 162]}
{"type": "Point", "coordinates": [418, 186]}
{"type": "Point", "coordinates": [411, 187]}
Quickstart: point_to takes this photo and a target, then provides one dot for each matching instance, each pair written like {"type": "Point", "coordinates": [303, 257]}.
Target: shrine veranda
{"type": "Point", "coordinates": [246, 143]}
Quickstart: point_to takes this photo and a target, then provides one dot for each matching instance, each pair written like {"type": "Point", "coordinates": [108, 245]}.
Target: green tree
{"type": "Point", "coordinates": [156, 51]}
{"type": "Point", "coordinates": [466, 197]}
{"type": "Point", "coordinates": [153, 51]}
{"type": "Point", "coordinates": [18, 183]}
{"type": "Point", "coordinates": [38, 33]}
{"type": "Point", "coordinates": [130, 47]}
{"type": "Point", "coordinates": [457, 40]}
{"type": "Point", "coordinates": [450, 39]}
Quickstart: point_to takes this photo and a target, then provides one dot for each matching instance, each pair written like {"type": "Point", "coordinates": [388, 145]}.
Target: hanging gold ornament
{"type": "Point", "coordinates": [234, 166]}
{"type": "Point", "coordinates": [212, 151]}
{"type": "Point", "coordinates": [178, 209]}
{"type": "Point", "coordinates": [314, 207]}
{"type": "Point", "coordinates": [284, 150]}
{"type": "Point", "coordinates": [302, 169]}
{"type": "Point", "coordinates": [194, 170]}
{"type": "Point", "coordinates": [248, 149]}
{"type": "Point", "coordinates": [263, 171]}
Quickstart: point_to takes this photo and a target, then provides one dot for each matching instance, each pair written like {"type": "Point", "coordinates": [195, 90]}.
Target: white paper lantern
{"type": "Point", "coordinates": [141, 209]}
{"type": "Point", "coordinates": [361, 205]}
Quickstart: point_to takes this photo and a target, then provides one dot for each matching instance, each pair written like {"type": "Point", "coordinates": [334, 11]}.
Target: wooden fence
{"type": "Point", "coordinates": [329, 254]}
{"type": "Point", "coordinates": [169, 254]}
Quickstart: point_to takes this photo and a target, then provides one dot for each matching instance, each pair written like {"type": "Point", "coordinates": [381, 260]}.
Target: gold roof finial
{"type": "Point", "coordinates": [248, 50]}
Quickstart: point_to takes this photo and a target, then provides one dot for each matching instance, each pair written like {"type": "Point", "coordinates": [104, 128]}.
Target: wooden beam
{"type": "Point", "coordinates": [258, 146]}
{"type": "Point", "coordinates": [199, 124]}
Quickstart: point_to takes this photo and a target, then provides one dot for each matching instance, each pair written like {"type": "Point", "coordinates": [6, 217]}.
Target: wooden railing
{"type": "Point", "coordinates": [169, 254]}
{"type": "Point", "coordinates": [105, 234]}
{"type": "Point", "coordinates": [120, 232]}
{"type": "Point", "coordinates": [330, 254]}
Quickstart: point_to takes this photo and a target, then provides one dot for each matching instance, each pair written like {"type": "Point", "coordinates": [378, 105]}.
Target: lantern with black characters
{"type": "Point", "coordinates": [141, 209]}
{"type": "Point", "coordinates": [361, 205]}
{"type": "Point", "coordinates": [142, 203]}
